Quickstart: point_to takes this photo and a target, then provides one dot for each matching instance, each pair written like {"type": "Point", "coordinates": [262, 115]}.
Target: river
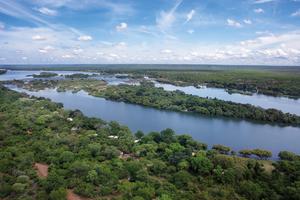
{"type": "Point", "coordinates": [238, 134]}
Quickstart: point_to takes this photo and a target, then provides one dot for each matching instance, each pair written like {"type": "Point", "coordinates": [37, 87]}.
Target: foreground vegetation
{"type": "Point", "coordinates": [105, 161]}
{"type": "Point", "coordinates": [255, 81]}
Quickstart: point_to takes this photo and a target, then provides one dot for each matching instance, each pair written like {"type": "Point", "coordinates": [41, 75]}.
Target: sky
{"type": "Point", "coordinates": [240, 32]}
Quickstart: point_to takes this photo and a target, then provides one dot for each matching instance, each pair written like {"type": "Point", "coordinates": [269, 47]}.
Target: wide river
{"type": "Point", "coordinates": [238, 134]}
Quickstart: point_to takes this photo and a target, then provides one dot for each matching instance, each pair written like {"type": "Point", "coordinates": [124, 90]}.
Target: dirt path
{"type": "Point", "coordinates": [42, 169]}
{"type": "Point", "coordinates": [72, 196]}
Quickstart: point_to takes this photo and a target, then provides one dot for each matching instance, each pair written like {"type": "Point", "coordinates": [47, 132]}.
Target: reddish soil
{"type": "Point", "coordinates": [72, 196]}
{"type": "Point", "coordinates": [42, 169]}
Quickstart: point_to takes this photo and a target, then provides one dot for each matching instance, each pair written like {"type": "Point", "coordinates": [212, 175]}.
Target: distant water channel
{"type": "Point", "coordinates": [284, 104]}
{"type": "Point", "coordinates": [238, 134]}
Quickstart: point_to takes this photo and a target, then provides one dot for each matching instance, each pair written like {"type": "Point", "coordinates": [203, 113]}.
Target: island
{"type": "Point", "coordinates": [45, 75]}
{"type": "Point", "coordinates": [3, 71]}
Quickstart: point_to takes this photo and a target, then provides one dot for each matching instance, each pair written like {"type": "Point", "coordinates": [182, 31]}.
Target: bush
{"type": "Point", "coordinates": [19, 187]}
{"type": "Point", "coordinates": [23, 179]}
{"type": "Point", "coordinates": [59, 194]}
{"type": "Point", "coordinates": [221, 149]}
{"type": "Point", "coordinates": [5, 190]}
{"type": "Point", "coordinates": [286, 155]}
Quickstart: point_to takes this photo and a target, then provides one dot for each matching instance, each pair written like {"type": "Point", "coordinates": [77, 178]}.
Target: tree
{"type": "Point", "coordinates": [286, 155]}
{"type": "Point", "coordinates": [167, 136]}
{"type": "Point", "coordinates": [92, 176]}
{"type": "Point", "coordinates": [262, 154]}
{"type": "Point", "coordinates": [250, 190]}
{"type": "Point", "coordinates": [221, 148]}
{"type": "Point", "coordinates": [139, 134]}
{"type": "Point", "coordinates": [19, 187]}
{"type": "Point", "coordinates": [181, 179]}
{"type": "Point", "coordinates": [59, 194]}
{"type": "Point", "coordinates": [201, 164]}
{"type": "Point", "coordinates": [245, 153]}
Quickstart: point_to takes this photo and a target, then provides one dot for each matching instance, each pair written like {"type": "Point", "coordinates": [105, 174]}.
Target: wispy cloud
{"type": "Point", "coordinates": [121, 27]}
{"type": "Point", "coordinates": [167, 18]}
{"type": "Point", "coordinates": [14, 9]}
{"type": "Point", "coordinates": [258, 10]}
{"type": "Point", "coordinates": [115, 8]}
{"type": "Point", "coordinates": [38, 38]}
{"type": "Point", "coordinates": [296, 14]}
{"type": "Point", "coordinates": [263, 1]}
{"type": "Point", "coordinates": [47, 11]}
{"type": "Point", "coordinates": [84, 38]}
{"type": "Point", "coordinates": [2, 25]}
{"type": "Point", "coordinates": [231, 22]}
{"type": "Point", "coordinates": [190, 15]}
{"type": "Point", "coordinates": [247, 21]}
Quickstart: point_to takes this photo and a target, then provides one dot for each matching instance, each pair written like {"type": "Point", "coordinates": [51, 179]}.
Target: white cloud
{"type": "Point", "coordinates": [247, 21]}
{"type": "Point", "coordinates": [263, 1]}
{"type": "Point", "coordinates": [166, 19]}
{"type": "Point", "coordinates": [38, 38]}
{"type": "Point", "coordinates": [231, 22]}
{"type": "Point", "coordinates": [2, 25]}
{"type": "Point", "coordinates": [121, 44]}
{"type": "Point", "coordinates": [24, 58]}
{"type": "Point", "coordinates": [190, 15]}
{"type": "Point", "coordinates": [191, 31]}
{"type": "Point", "coordinates": [258, 10]}
{"type": "Point", "coordinates": [47, 11]}
{"type": "Point", "coordinates": [67, 56]}
{"type": "Point", "coordinates": [122, 26]}
{"type": "Point", "coordinates": [84, 38]}
{"type": "Point", "coordinates": [78, 51]}
{"type": "Point", "coordinates": [46, 49]}
{"type": "Point", "coordinates": [114, 8]}
{"type": "Point", "coordinates": [296, 14]}
{"type": "Point", "coordinates": [166, 51]}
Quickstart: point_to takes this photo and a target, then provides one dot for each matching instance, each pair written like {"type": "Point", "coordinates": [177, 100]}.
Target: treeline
{"type": "Point", "coordinates": [103, 160]}
{"type": "Point", "coordinates": [254, 81]}
{"type": "Point", "coordinates": [148, 95]}
{"type": "Point", "coordinates": [77, 75]}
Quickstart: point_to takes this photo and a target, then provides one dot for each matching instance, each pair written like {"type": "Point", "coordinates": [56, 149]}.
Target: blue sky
{"type": "Point", "coordinates": [144, 31]}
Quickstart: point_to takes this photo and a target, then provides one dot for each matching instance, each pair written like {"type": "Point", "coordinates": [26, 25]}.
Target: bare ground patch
{"type": "Point", "coordinates": [72, 196]}
{"type": "Point", "coordinates": [42, 169]}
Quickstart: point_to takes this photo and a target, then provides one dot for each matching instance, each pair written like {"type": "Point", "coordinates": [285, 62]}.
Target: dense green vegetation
{"type": "Point", "coordinates": [45, 75]}
{"type": "Point", "coordinates": [148, 95]}
{"type": "Point", "coordinates": [265, 82]}
{"type": "Point", "coordinates": [77, 75]}
{"type": "Point", "coordinates": [105, 161]}
{"type": "Point", "coordinates": [75, 85]}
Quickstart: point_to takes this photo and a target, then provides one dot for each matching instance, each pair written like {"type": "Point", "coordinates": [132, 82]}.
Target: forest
{"type": "Point", "coordinates": [99, 160]}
